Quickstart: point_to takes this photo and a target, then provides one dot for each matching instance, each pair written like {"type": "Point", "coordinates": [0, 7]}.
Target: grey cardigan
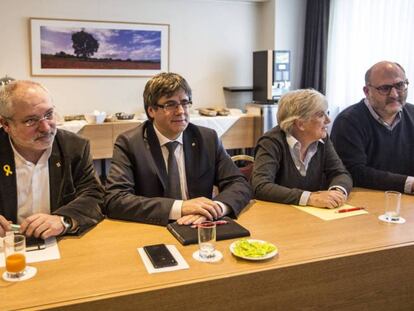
{"type": "Point", "coordinates": [275, 177]}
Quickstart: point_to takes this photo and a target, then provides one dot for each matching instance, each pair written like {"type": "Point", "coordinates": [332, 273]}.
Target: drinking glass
{"type": "Point", "coordinates": [14, 253]}
{"type": "Point", "coordinates": [392, 205]}
{"type": "Point", "coordinates": [207, 240]}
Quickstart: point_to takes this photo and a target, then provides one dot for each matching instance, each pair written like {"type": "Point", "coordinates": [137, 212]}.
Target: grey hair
{"type": "Point", "coordinates": [299, 104]}
{"type": "Point", "coordinates": [9, 95]}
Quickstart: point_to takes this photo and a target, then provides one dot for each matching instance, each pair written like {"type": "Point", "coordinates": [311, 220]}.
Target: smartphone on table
{"type": "Point", "coordinates": [160, 256]}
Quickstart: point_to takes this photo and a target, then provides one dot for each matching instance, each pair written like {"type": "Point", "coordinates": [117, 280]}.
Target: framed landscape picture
{"type": "Point", "coordinates": [93, 48]}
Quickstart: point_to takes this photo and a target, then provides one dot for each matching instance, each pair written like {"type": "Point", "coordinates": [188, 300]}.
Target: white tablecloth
{"type": "Point", "coordinates": [220, 123]}
{"type": "Point", "coordinates": [72, 126]}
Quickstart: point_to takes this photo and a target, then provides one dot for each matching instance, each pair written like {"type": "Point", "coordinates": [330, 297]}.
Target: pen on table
{"type": "Point", "coordinates": [345, 210]}
{"type": "Point", "coordinates": [217, 222]}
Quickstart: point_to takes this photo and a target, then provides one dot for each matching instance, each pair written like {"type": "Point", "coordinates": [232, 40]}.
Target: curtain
{"type": "Point", "coordinates": [362, 33]}
{"type": "Point", "coordinates": [315, 46]}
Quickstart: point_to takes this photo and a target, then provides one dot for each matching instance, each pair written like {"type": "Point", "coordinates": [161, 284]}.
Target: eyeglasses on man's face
{"type": "Point", "coordinates": [34, 121]}
{"type": "Point", "coordinates": [386, 88]}
{"type": "Point", "coordinates": [171, 105]}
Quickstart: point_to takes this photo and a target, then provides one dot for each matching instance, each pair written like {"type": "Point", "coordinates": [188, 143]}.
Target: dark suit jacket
{"type": "Point", "coordinates": [137, 179]}
{"type": "Point", "coordinates": [74, 190]}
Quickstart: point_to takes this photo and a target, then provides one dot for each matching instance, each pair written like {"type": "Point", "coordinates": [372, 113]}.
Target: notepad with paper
{"type": "Point", "coordinates": [330, 214]}
{"type": "Point", "coordinates": [187, 235]}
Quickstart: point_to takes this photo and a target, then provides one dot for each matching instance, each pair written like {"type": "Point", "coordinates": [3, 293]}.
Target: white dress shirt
{"type": "Point", "coordinates": [175, 211]}
{"type": "Point", "coordinates": [33, 193]}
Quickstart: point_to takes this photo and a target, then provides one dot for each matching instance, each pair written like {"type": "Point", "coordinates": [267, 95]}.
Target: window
{"type": "Point", "coordinates": [362, 33]}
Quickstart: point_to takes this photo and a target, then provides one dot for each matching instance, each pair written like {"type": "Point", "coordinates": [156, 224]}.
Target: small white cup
{"type": "Point", "coordinates": [392, 205]}
{"type": "Point", "coordinates": [95, 117]}
{"type": "Point", "coordinates": [207, 240]}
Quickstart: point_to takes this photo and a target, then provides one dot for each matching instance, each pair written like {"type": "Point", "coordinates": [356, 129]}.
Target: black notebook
{"type": "Point", "coordinates": [187, 235]}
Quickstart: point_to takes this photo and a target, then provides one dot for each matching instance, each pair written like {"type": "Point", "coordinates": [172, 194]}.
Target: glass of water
{"type": "Point", "coordinates": [207, 239]}
{"type": "Point", "coordinates": [392, 205]}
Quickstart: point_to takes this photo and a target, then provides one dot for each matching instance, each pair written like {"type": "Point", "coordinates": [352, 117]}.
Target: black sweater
{"type": "Point", "coordinates": [375, 156]}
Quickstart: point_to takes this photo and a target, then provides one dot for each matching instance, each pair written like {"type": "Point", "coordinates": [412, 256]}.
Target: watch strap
{"type": "Point", "coordinates": [67, 223]}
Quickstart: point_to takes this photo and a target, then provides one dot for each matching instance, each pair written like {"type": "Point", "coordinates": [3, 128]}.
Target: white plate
{"type": "Point", "coordinates": [270, 255]}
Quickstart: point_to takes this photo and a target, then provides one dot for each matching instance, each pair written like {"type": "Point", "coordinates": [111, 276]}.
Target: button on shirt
{"type": "Point", "coordinates": [302, 166]}
{"type": "Point", "coordinates": [33, 194]}
{"type": "Point", "coordinates": [408, 186]}
{"type": "Point", "coordinates": [175, 211]}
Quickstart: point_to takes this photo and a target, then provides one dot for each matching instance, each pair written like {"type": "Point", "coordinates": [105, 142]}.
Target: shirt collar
{"type": "Point", "coordinates": [293, 143]}
{"type": "Point", "coordinates": [164, 140]}
{"type": "Point", "coordinates": [378, 118]}
{"type": "Point", "coordinates": [43, 159]}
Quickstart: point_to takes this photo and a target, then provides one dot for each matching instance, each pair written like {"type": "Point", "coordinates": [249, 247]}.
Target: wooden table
{"type": "Point", "coordinates": [355, 263]}
{"type": "Point", "coordinates": [243, 134]}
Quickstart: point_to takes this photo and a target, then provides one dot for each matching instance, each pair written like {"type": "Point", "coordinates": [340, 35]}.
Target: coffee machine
{"type": "Point", "coordinates": [271, 79]}
{"type": "Point", "coordinates": [271, 75]}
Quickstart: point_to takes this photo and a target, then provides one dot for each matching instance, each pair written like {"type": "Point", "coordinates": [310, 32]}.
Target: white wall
{"type": "Point", "coordinates": [266, 35]}
{"type": "Point", "coordinates": [211, 44]}
{"type": "Point", "coordinates": [290, 34]}
{"type": "Point", "coordinates": [282, 27]}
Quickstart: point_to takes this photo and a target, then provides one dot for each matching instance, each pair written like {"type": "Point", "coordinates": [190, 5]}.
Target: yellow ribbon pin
{"type": "Point", "coordinates": [7, 170]}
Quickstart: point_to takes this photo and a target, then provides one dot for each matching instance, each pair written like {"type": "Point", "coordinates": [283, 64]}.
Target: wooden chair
{"type": "Point", "coordinates": [244, 163]}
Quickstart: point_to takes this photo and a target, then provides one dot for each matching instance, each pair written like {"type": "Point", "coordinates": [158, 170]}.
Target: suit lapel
{"type": "Point", "coordinates": [156, 153]}
{"type": "Point", "coordinates": [55, 175]}
{"type": "Point", "coordinates": [8, 188]}
{"type": "Point", "coordinates": [192, 147]}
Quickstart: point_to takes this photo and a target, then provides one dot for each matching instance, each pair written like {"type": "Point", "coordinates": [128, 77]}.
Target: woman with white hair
{"type": "Point", "coordinates": [295, 162]}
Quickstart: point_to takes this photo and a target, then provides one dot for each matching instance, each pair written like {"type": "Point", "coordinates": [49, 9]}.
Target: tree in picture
{"type": "Point", "coordinates": [84, 44]}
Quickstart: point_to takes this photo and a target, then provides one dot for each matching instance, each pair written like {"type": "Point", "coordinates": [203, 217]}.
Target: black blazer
{"type": "Point", "coordinates": [137, 179]}
{"type": "Point", "coordinates": [74, 189]}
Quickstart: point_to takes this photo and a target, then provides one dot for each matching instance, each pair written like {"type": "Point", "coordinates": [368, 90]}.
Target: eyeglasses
{"type": "Point", "coordinates": [35, 121]}
{"type": "Point", "coordinates": [171, 106]}
{"type": "Point", "coordinates": [386, 88]}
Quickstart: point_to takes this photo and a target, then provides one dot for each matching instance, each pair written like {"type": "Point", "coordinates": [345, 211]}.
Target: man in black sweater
{"type": "Point", "coordinates": [375, 137]}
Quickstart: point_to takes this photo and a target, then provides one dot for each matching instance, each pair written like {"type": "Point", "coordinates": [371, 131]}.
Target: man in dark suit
{"type": "Point", "coordinates": [149, 183]}
{"type": "Point", "coordinates": [48, 183]}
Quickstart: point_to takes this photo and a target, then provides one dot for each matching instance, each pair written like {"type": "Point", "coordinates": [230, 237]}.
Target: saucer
{"type": "Point", "coordinates": [29, 273]}
{"type": "Point", "coordinates": [218, 256]}
{"type": "Point", "coordinates": [400, 220]}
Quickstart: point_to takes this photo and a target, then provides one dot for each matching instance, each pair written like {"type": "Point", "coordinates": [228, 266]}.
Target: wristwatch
{"type": "Point", "coordinates": [67, 223]}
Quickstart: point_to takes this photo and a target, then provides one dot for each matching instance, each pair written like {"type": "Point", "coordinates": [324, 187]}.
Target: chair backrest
{"type": "Point", "coordinates": [244, 163]}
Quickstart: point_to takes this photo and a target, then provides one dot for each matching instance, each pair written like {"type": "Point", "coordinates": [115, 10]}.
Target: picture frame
{"type": "Point", "coordinates": [63, 47]}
